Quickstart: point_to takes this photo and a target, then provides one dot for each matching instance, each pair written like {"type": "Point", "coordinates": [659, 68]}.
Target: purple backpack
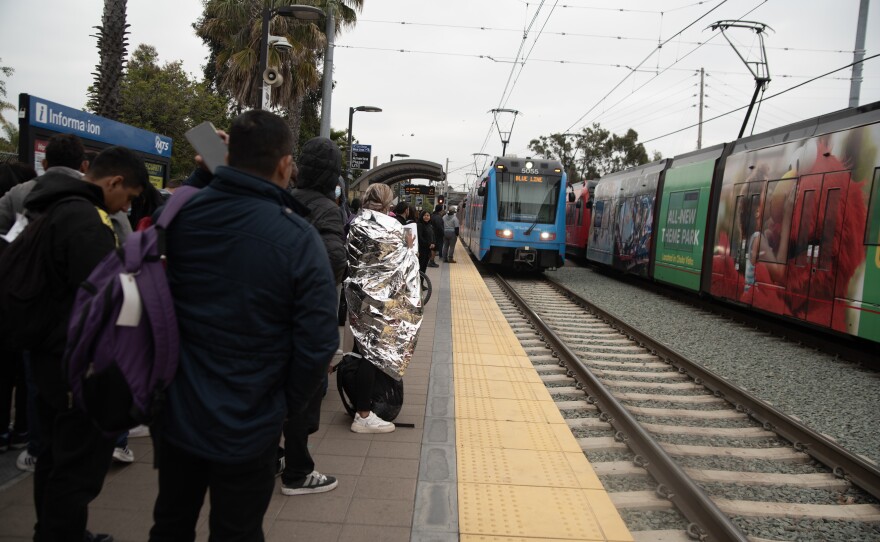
{"type": "Point", "coordinates": [123, 340]}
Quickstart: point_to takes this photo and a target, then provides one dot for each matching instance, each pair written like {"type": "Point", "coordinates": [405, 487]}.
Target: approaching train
{"type": "Point", "coordinates": [786, 222]}
{"type": "Point", "coordinates": [514, 215]}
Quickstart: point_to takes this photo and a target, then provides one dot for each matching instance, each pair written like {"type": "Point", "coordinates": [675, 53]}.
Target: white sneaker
{"type": "Point", "coordinates": [139, 431]}
{"type": "Point", "coordinates": [371, 424]}
{"type": "Point", "coordinates": [123, 455]}
{"type": "Point", "coordinates": [26, 462]}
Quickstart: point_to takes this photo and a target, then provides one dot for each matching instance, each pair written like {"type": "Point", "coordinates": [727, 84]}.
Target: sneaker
{"type": "Point", "coordinates": [313, 483]}
{"type": "Point", "coordinates": [451, 260]}
{"type": "Point", "coordinates": [139, 432]}
{"type": "Point", "coordinates": [26, 462]}
{"type": "Point", "coordinates": [123, 455]}
{"type": "Point", "coordinates": [433, 264]}
{"type": "Point", "coordinates": [371, 424]}
{"type": "Point", "coordinates": [97, 537]}
{"type": "Point", "coordinates": [280, 462]}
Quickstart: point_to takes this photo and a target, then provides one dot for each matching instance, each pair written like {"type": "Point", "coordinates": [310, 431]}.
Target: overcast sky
{"type": "Point", "coordinates": [457, 57]}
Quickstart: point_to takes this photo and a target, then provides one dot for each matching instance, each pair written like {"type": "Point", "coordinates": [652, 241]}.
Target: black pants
{"type": "Point", "coordinates": [298, 462]}
{"type": "Point", "coordinates": [71, 464]}
{"type": "Point", "coordinates": [12, 377]}
{"type": "Point", "coordinates": [240, 495]}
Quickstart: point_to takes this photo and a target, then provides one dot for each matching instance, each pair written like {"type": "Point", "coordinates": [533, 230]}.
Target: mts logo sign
{"type": "Point", "coordinates": [162, 146]}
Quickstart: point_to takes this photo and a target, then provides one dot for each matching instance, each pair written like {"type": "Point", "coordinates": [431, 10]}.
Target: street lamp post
{"type": "Point", "coordinates": [302, 13]}
{"type": "Point", "coordinates": [351, 111]}
{"type": "Point", "coordinates": [399, 155]}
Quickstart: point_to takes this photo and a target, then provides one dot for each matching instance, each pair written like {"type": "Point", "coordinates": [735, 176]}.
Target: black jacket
{"type": "Point", "coordinates": [437, 222]}
{"type": "Point", "coordinates": [79, 238]}
{"type": "Point", "coordinates": [256, 306]}
{"type": "Point", "coordinates": [426, 236]}
{"type": "Point", "coordinates": [324, 215]}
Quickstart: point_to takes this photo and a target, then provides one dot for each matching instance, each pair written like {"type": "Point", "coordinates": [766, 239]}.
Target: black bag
{"type": "Point", "coordinates": [343, 309]}
{"type": "Point", "coordinates": [26, 296]}
{"type": "Point", "coordinates": [387, 392]}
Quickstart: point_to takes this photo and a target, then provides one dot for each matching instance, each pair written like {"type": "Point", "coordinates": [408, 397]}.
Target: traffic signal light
{"type": "Point", "coordinates": [441, 199]}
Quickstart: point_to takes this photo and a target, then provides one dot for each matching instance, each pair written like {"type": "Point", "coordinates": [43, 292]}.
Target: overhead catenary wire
{"type": "Point", "coordinates": [653, 51]}
{"type": "Point", "coordinates": [529, 54]}
{"type": "Point", "coordinates": [780, 93]}
{"type": "Point", "coordinates": [582, 35]}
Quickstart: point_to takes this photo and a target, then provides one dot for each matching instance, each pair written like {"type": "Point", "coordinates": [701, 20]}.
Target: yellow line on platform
{"type": "Point", "coordinates": [521, 473]}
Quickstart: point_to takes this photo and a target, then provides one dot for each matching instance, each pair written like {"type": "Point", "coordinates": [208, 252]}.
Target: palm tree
{"type": "Point", "coordinates": [8, 141]}
{"type": "Point", "coordinates": [232, 30]}
{"type": "Point", "coordinates": [112, 45]}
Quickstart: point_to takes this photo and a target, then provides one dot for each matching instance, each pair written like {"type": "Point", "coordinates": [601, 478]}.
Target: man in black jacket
{"type": "Point", "coordinates": [319, 166]}
{"type": "Point", "coordinates": [74, 455]}
{"type": "Point", "coordinates": [254, 299]}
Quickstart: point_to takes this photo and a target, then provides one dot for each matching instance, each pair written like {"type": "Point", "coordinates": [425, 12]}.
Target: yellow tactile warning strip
{"type": "Point", "coordinates": [521, 474]}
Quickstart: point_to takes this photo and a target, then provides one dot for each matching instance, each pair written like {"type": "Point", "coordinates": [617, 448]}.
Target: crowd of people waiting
{"type": "Point", "coordinates": [258, 261]}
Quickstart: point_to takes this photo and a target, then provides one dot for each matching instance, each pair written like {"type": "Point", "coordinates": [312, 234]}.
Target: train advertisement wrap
{"type": "Point", "coordinates": [798, 230]}
{"type": "Point", "coordinates": [681, 224]}
{"type": "Point", "coordinates": [623, 218]}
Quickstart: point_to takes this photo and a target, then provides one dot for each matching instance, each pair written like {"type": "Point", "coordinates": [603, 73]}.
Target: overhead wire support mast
{"type": "Point", "coordinates": [759, 69]}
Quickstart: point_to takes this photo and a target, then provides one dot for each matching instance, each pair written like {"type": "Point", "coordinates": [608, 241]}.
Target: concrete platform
{"type": "Point", "coordinates": [489, 458]}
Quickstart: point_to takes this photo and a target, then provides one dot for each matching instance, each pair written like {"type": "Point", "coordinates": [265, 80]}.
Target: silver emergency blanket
{"type": "Point", "coordinates": [383, 291]}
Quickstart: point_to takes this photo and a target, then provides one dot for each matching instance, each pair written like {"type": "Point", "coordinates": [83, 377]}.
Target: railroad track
{"type": "Point", "coordinates": [684, 454]}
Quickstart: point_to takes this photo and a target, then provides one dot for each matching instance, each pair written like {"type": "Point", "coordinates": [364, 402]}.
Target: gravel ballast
{"type": "Point", "coordinates": [831, 396]}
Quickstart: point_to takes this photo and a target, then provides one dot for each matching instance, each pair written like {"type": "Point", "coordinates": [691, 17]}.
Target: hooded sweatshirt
{"type": "Point", "coordinates": [80, 235]}
{"type": "Point", "coordinates": [320, 164]}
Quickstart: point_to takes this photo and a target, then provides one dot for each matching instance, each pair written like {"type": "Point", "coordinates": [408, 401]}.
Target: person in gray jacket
{"type": "Point", "coordinates": [64, 154]}
{"type": "Point", "coordinates": [450, 233]}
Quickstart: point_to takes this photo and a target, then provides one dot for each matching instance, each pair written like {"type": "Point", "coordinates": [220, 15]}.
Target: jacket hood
{"type": "Point", "coordinates": [320, 165]}
{"type": "Point", "coordinates": [54, 186]}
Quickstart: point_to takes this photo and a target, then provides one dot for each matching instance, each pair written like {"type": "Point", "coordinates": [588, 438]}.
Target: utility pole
{"type": "Point", "coordinates": [855, 84]}
{"type": "Point", "coordinates": [700, 125]}
{"type": "Point", "coordinates": [327, 90]}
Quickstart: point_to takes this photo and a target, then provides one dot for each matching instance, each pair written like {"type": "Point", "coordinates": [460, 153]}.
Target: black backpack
{"type": "Point", "coordinates": [26, 284]}
{"type": "Point", "coordinates": [387, 392]}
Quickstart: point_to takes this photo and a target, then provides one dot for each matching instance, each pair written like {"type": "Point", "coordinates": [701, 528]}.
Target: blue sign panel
{"type": "Point", "coordinates": [60, 118]}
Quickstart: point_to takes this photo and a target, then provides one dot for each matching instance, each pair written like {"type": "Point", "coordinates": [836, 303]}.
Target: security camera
{"type": "Point", "coordinates": [280, 43]}
{"type": "Point", "coordinates": [272, 77]}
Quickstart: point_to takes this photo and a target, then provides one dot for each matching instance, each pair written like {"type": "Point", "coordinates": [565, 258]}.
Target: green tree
{"type": "Point", "coordinates": [9, 137]}
{"type": "Point", "coordinates": [232, 31]}
{"type": "Point", "coordinates": [593, 152]}
{"type": "Point", "coordinates": [165, 100]}
{"type": "Point", "coordinates": [112, 47]}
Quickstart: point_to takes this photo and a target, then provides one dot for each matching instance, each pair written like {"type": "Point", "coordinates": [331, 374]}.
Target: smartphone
{"type": "Point", "coordinates": [208, 144]}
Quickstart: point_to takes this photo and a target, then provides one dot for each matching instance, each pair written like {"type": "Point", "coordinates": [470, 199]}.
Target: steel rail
{"type": "Point", "coordinates": [843, 463]}
{"type": "Point", "coordinates": [674, 484]}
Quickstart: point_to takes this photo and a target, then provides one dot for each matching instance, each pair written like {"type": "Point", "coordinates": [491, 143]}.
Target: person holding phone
{"type": "Point", "coordinates": [256, 305]}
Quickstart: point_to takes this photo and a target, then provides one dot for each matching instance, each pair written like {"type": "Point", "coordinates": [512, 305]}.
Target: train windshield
{"type": "Point", "coordinates": [528, 198]}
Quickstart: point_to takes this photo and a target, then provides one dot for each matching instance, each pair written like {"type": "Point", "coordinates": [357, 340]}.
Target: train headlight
{"type": "Point", "coordinates": [506, 233]}
{"type": "Point", "coordinates": [547, 236]}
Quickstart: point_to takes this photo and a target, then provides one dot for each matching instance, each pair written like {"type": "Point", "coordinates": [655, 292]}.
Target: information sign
{"type": "Point", "coordinates": [360, 156]}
